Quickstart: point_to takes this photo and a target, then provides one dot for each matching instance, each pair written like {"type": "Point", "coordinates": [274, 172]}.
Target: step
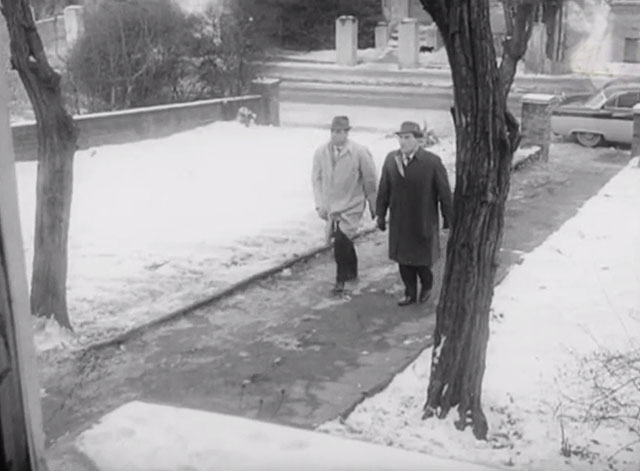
{"type": "Point", "coordinates": [151, 437]}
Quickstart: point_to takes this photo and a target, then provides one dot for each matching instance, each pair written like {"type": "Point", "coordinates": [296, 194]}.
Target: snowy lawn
{"type": "Point", "coordinates": [574, 301]}
{"type": "Point", "coordinates": [162, 223]}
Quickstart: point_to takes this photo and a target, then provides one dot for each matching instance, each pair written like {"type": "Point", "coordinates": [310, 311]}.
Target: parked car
{"type": "Point", "coordinates": [574, 98]}
{"type": "Point", "coordinates": [606, 115]}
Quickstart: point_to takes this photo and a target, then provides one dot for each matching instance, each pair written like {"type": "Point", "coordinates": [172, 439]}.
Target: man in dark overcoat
{"type": "Point", "coordinates": [413, 184]}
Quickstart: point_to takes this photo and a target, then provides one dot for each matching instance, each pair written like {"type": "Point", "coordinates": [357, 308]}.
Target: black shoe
{"type": "Point", "coordinates": [425, 294]}
{"type": "Point", "coordinates": [338, 288]}
{"type": "Point", "coordinates": [406, 301]}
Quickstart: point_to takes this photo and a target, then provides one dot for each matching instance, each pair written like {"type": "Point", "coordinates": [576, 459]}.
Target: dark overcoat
{"type": "Point", "coordinates": [412, 196]}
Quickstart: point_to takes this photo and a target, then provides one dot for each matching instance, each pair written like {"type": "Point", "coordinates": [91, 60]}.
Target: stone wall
{"type": "Point", "coordinates": [53, 32]}
{"type": "Point", "coordinates": [536, 122]}
{"type": "Point", "coordinates": [121, 127]}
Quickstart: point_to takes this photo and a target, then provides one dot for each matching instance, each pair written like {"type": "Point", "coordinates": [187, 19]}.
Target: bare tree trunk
{"type": "Point", "coordinates": [552, 17]}
{"type": "Point", "coordinates": [14, 450]}
{"type": "Point", "coordinates": [519, 21]}
{"type": "Point", "coordinates": [57, 138]}
{"type": "Point", "coordinates": [21, 434]}
{"type": "Point", "coordinates": [487, 136]}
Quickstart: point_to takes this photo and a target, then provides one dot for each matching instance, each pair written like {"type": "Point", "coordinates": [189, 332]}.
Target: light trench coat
{"type": "Point", "coordinates": [343, 185]}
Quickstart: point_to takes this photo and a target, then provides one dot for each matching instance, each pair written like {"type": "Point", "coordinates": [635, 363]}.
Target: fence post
{"type": "Point", "coordinates": [635, 145]}
{"type": "Point", "coordinates": [73, 24]}
{"type": "Point", "coordinates": [536, 122]}
{"type": "Point", "coordinates": [269, 89]}
{"type": "Point", "coordinates": [347, 40]}
{"type": "Point", "coordinates": [408, 43]}
{"type": "Point", "coordinates": [382, 35]}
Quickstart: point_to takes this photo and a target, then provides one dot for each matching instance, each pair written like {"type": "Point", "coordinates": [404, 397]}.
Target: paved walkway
{"type": "Point", "coordinates": [285, 350]}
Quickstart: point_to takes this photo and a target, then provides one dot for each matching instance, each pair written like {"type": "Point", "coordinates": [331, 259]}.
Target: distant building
{"type": "Point", "coordinates": [623, 35]}
{"type": "Point", "coordinates": [395, 11]}
{"type": "Point", "coordinates": [602, 37]}
{"type": "Point", "coordinates": [610, 42]}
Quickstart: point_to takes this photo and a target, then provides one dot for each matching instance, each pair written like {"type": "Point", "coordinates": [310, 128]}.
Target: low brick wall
{"type": "Point", "coordinates": [536, 122]}
{"type": "Point", "coordinates": [121, 127]}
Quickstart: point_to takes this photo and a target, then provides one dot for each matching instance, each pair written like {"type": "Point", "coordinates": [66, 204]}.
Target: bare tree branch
{"type": "Point", "coordinates": [439, 12]}
{"type": "Point", "coordinates": [519, 18]}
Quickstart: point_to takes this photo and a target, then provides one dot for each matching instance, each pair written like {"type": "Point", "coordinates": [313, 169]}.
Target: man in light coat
{"type": "Point", "coordinates": [344, 183]}
{"type": "Point", "coordinates": [413, 184]}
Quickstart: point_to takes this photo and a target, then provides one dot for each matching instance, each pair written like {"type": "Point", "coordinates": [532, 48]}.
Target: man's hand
{"type": "Point", "coordinates": [324, 215]}
{"type": "Point", "coordinates": [381, 223]}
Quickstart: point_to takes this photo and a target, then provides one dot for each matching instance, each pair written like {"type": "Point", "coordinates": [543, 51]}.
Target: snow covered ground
{"type": "Point", "coordinates": [159, 224]}
{"type": "Point", "coordinates": [169, 438]}
{"type": "Point", "coordinates": [576, 298]}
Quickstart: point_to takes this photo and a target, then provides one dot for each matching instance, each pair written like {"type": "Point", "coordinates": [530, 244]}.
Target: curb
{"type": "Point", "coordinates": [526, 161]}
{"type": "Point", "coordinates": [295, 70]}
{"type": "Point", "coordinates": [355, 130]}
{"type": "Point", "coordinates": [215, 297]}
{"type": "Point", "coordinates": [241, 285]}
{"type": "Point", "coordinates": [515, 167]}
{"type": "Point", "coordinates": [521, 87]}
{"type": "Point", "coordinates": [379, 387]}
{"type": "Point", "coordinates": [371, 82]}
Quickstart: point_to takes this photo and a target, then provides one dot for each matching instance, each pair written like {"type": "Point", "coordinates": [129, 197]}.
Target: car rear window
{"type": "Point", "coordinates": [628, 100]}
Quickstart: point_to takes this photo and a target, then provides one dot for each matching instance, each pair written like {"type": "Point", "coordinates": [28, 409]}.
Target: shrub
{"type": "Point", "coordinates": [129, 55]}
{"type": "Point", "coordinates": [310, 24]}
{"type": "Point", "coordinates": [149, 52]}
{"type": "Point", "coordinates": [224, 44]}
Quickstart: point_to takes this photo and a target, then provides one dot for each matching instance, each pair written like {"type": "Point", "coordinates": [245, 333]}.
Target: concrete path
{"type": "Point", "coordinates": [407, 97]}
{"type": "Point", "coordinates": [365, 118]}
{"type": "Point", "coordinates": [285, 350]}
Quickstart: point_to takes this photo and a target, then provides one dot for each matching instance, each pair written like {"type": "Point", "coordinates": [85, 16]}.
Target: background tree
{"type": "Point", "coordinates": [487, 135]}
{"type": "Point", "coordinates": [57, 139]}
{"type": "Point", "coordinates": [226, 43]}
{"type": "Point", "coordinates": [142, 53]}
{"type": "Point", "coordinates": [130, 55]}
{"type": "Point", "coordinates": [310, 24]}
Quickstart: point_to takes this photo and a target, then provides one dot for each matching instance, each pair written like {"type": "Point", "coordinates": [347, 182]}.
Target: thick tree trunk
{"type": "Point", "coordinates": [14, 449]}
{"type": "Point", "coordinates": [487, 136]}
{"type": "Point", "coordinates": [21, 436]}
{"type": "Point", "coordinates": [552, 17]}
{"type": "Point", "coordinates": [57, 138]}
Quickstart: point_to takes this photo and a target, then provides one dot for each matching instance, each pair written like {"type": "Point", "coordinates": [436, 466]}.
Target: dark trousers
{"type": "Point", "coordinates": [410, 275]}
{"type": "Point", "coordinates": [344, 253]}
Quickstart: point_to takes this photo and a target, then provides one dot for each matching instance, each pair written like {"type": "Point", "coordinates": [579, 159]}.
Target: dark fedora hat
{"type": "Point", "coordinates": [409, 127]}
{"type": "Point", "coordinates": [340, 123]}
